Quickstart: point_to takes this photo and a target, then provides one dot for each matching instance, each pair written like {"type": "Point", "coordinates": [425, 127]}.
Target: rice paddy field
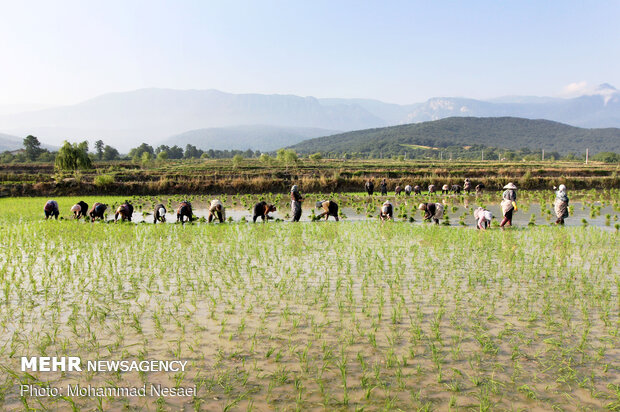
{"type": "Point", "coordinates": [353, 315]}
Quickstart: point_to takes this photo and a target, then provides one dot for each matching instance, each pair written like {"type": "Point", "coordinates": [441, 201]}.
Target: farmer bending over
{"type": "Point", "coordinates": [79, 209]}
{"type": "Point", "coordinates": [216, 209]}
{"type": "Point", "coordinates": [125, 211]}
{"type": "Point", "coordinates": [159, 214]}
{"type": "Point", "coordinates": [330, 208]}
{"type": "Point", "coordinates": [262, 209]}
{"type": "Point", "coordinates": [97, 211]}
{"type": "Point", "coordinates": [51, 209]}
{"type": "Point", "coordinates": [483, 218]}
{"type": "Point", "coordinates": [185, 210]}
{"type": "Point", "coordinates": [387, 211]}
{"type": "Point", "coordinates": [432, 211]}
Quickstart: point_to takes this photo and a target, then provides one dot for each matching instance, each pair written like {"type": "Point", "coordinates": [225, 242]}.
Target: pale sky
{"type": "Point", "coordinates": [63, 52]}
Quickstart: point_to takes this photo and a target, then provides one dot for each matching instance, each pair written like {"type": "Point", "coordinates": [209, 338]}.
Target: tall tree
{"type": "Point", "coordinates": [110, 153]}
{"type": "Point", "coordinates": [33, 147]}
{"type": "Point", "coordinates": [99, 148]}
{"type": "Point", "coordinates": [72, 157]}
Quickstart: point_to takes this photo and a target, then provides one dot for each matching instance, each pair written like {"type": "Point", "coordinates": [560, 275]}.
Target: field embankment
{"type": "Point", "coordinates": [252, 176]}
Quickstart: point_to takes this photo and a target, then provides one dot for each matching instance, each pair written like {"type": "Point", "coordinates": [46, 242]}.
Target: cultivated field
{"type": "Point", "coordinates": [349, 315]}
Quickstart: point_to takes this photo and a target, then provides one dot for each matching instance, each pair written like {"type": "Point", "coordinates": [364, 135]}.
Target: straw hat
{"type": "Point", "coordinates": [422, 206]}
{"type": "Point", "coordinates": [510, 186]}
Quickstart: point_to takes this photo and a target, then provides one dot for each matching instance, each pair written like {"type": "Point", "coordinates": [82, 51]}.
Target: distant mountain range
{"type": "Point", "coordinates": [499, 132]}
{"type": "Point", "coordinates": [8, 142]}
{"type": "Point", "coordinates": [155, 116]}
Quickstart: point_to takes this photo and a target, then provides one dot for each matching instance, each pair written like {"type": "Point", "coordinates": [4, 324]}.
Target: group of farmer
{"type": "Point", "coordinates": [432, 211]}
{"type": "Point", "coordinates": [508, 206]}
{"type": "Point", "coordinates": [369, 187]}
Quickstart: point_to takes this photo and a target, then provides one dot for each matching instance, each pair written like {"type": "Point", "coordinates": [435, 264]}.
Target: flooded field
{"type": "Point", "coordinates": [334, 316]}
{"type": "Point", "coordinates": [596, 208]}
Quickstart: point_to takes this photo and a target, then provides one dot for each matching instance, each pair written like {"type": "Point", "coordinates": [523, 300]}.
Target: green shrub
{"type": "Point", "coordinates": [103, 180]}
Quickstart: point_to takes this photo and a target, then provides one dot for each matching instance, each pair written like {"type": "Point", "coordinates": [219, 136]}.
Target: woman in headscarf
{"type": "Point", "coordinates": [432, 211]}
{"type": "Point", "coordinates": [97, 212]}
{"type": "Point", "coordinates": [509, 204]}
{"type": "Point", "coordinates": [408, 190]}
{"type": "Point", "coordinates": [79, 209]}
{"type": "Point", "coordinates": [159, 214]}
{"type": "Point", "coordinates": [296, 200]}
{"type": "Point", "coordinates": [561, 204]}
{"type": "Point", "coordinates": [370, 187]}
{"type": "Point", "coordinates": [216, 209]}
{"type": "Point", "coordinates": [387, 211]}
{"type": "Point", "coordinates": [185, 210]}
{"type": "Point", "coordinates": [51, 209]}
{"type": "Point", "coordinates": [125, 211]}
{"type": "Point", "coordinates": [483, 218]}
{"type": "Point", "coordinates": [467, 185]}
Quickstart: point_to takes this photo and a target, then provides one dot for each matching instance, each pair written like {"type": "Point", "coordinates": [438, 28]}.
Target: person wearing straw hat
{"type": "Point", "coordinates": [560, 205]}
{"type": "Point", "coordinates": [387, 211]}
{"type": "Point", "coordinates": [408, 190]}
{"type": "Point", "coordinates": [296, 200]}
{"type": "Point", "coordinates": [432, 211]}
{"type": "Point", "coordinates": [509, 204]}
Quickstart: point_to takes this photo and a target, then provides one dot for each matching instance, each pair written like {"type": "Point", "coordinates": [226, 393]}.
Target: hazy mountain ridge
{"type": "Point", "coordinates": [151, 115]}
{"type": "Point", "coordinates": [500, 132]}
{"type": "Point", "coordinates": [126, 119]}
{"type": "Point", "coordinates": [8, 142]}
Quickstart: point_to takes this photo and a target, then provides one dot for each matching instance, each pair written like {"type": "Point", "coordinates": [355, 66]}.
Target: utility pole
{"type": "Point", "coordinates": [543, 155]}
{"type": "Point", "coordinates": [440, 155]}
{"type": "Point", "coordinates": [483, 155]}
{"type": "Point", "coordinates": [587, 153]}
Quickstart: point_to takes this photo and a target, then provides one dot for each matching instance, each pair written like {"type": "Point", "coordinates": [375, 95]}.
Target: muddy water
{"type": "Point", "coordinates": [266, 307]}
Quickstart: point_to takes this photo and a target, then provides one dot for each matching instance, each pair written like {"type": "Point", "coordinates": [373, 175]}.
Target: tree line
{"type": "Point", "coordinates": [75, 156]}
